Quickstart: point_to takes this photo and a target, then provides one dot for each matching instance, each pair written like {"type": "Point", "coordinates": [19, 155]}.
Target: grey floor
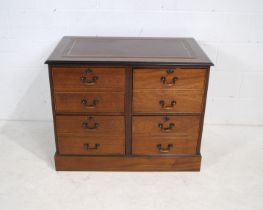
{"type": "Point", "coordinates": [231, 176]}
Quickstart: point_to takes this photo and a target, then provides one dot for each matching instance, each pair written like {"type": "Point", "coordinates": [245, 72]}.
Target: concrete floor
{"type": "Point", "coordinates": [231, 175]}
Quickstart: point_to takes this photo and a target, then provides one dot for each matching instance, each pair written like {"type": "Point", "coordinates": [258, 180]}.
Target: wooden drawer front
{"type": "Point", "coordinates": [176, 79]}
{"type": "Point", "coordinates": [155, 135]}
{"type": "Point", "coordinates": [90, 145]}
{"type": "Point", "coordinates": [167, 101]}
{"type": "Point", "coordinates": [88, 79]}
{"type": "Point", "coordinates": [94, 135]}
{"type": "Point", "coordinates": [90, 125]}
{"type": "Point", "coordinates": [89, 102]}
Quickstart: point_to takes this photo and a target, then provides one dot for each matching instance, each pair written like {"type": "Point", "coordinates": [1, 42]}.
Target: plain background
{"type": "Point", "coordinates": [230, 32]}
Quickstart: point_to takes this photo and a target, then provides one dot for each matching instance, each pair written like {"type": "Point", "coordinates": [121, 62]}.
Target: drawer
{"type": "Point", "coordinates": [90, 102]}
{"type": "Point", "coordinates": [90, 125]}
{"type": "Point", "coordinates": [90, 135]}
{"type": "Point", "coordinates": [163, 101]}
{"type": "Point", "coordinates": [176, 79]}
{"type": "Point", "coordinates": [88, 79]}
{"type": "Point", "coordinates": [157, 135]}
{"type": "Point", "coordinates": [90, 145]}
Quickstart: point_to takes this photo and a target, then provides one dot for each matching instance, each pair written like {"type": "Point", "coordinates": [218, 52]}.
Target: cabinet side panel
{"type": "Point", "coordinates": [203, 112]}
{"type": "Point", "coordinates": [53, 104]}
{"type": "Point", "coordinates": [128, 111]}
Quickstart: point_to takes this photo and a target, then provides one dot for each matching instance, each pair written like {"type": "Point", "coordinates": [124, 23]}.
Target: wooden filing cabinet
{"type": "Point", "coordinates": [128, 104]}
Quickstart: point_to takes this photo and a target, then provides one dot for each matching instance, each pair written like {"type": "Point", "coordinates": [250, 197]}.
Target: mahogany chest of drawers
{"type": "Point", "coordinates": [128, 104]}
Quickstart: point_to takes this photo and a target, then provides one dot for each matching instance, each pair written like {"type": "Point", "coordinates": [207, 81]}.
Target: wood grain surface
{"type": "Point", "coordinates": [178, 79]}
{"type": "Point", "coordinates": [124, 163]}
{"type": "Point", "coordinates": [105, 102]}
{"type": "Point", "coordinates": [68, 79]}
{"type": "Point", "coordinates": [179, 131]}
{"type": "Point", "coordinates": [149, 101]}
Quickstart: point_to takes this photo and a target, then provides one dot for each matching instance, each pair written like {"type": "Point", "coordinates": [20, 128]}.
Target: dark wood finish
{"type": "Point", "coordinates": [91, 125]}
{"type": "Point", "coordinates": [75, 132]}
{"type": "Point", "coordinates": [72, 144]}
{"type": "Point", "coordinates": [104, 102]}
{"type": "Point", "coordinates": [126, 50]}
{"type": "Point", "coordinates": [53, 105]}
{"type": "Point", "coordinates": [68, 79]}
{"type": "Point", "coordinates": [125, 163]}
{"type": "Point", "coordinates": [155, 125]}
{"type": "Point", "coordinates": [203, 113]}
{"type": "Point", "coordinates": [128, 111]}
{"type": "Point", "coordinates": [178, 79]}
{"type": "Point", "coordinates": [106, 95]}
{"type": "Point", "coordinates": [149, 101]}
{"type": "Point", "coordinates": [179, 131]}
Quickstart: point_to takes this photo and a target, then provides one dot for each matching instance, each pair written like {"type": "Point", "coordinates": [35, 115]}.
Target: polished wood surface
{"type": "Point", "coordinates": [76, 132]}
{"type": "Point", "coordinates": [124, 163]}
{"type": "Point", "coordinates": [90, 125]}
{"type": "Point", "coordinates": [69, 79]}
{"type": "Point", "coordinates": [169, 79]}
{"type": "Point", "coordinates": [181, 132]}
{"type": "Point", "coordinates": [96, 144]}
{"type": "Point", "coordinates": [173, 102]}
{"type": "Point", "coordinates": [91, 102]}
{"type": "Point", "coordinates": [128, 104]}
{"type": "Point", "coordinates": [129, 50]}
{"type": "Point", "coordinates": [155, 125]}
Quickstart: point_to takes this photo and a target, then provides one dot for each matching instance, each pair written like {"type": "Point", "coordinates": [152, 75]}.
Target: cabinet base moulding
{"type": "Point", "coordinates": [127, 163]}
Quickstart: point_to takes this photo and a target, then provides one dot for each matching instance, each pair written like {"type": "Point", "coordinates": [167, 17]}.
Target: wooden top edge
{"type": "Point", "coordinates": [127, 63]}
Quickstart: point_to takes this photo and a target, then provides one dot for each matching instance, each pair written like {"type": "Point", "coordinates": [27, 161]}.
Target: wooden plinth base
{"type": "Point", "coordinates": [127, 163]}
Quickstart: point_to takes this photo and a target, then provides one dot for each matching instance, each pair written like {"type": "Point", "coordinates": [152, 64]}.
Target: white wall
{"type": "Point", "coordinates": [230, 31]}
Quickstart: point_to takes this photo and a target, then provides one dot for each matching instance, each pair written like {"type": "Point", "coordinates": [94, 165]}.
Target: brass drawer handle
{"type": "Point", "coordinates": [85, 80]}
{"type": "Point", "coordinates": [163, 106]}
{"type": "Point", "coordinates": [90, 123]}
{"type": "Point", "coordinates": [164, 80]}
{"type": "Point", "coordinates": [93, 104]}
{"type": "Point", "coordinates": [88, 147]}
{"type": "Point", "coordinates": [164, 150]}
{"type": "Point", "coordinates": [167, 129]}
{"type": "Point", "coordinates": [86, 125]}
{"type": "Point", "coordinates": [89, 82]}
